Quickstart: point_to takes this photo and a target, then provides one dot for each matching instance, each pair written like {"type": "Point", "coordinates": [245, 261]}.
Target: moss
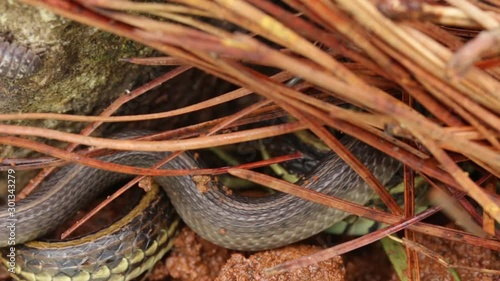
{"type": "Point", "coordinates": [81, 71]}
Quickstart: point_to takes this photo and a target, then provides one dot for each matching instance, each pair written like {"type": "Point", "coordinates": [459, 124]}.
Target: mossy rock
{"type": "Point", "coordinates": [81, 71]}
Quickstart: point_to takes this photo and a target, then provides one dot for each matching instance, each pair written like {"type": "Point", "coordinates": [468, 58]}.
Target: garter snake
{"type": "Point", "coordinates": [134, 243]}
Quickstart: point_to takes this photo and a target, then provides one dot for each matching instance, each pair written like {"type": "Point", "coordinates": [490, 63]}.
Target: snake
{"type": "Point", "coordinates": [134, 243]}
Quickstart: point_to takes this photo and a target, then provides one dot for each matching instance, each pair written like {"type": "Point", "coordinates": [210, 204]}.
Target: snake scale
{"type": "Point", "coordinates": [134, 243]}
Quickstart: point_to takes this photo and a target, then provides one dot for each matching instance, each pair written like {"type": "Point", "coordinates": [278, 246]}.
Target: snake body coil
{"type": "Point", "coordinates": [231, 221]}
{"type": "Point", "coordinates": [17, 61]}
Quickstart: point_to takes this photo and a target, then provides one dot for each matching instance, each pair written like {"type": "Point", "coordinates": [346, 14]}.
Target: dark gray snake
{"type": "Point", "coordinates": [141, 238]}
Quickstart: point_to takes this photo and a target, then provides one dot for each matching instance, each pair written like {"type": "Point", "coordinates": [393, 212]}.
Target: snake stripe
{"type": "Point", "coordinates": [122, 252]}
